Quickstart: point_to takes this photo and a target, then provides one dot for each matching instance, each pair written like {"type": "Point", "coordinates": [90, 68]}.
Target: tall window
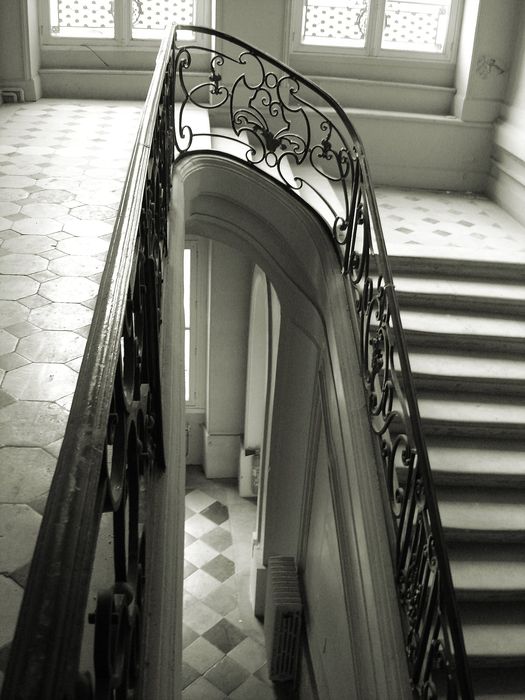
{"type": "Point", "coordinates": [195, 310]}
{"type": "Point", "coordinates": [374, 27]}
{"type": "Point", "coordinates": [120, 20]}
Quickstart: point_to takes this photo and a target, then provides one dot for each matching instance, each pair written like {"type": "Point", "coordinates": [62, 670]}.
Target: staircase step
{"type": "Point", "coordinates": [458, 264]}
{"type": "Point", "coordinates": [460, 295]}
{"type": "Point", "coordinates": [463, 461]}
{"type": "Point", "coordinates": [467, 416]}
{"type": "Point", "coordinates": [488, 573]}
{"type": "Point", "coordinates": [482, 515]}
{"type": "Point", "coordinates": [498, 684]}
{"type": "Point", "coordinates": [462, 332]}
{"type": "Point", "coordinates": [494, 634]}
{"type": "Point", "coordinates": [467, 373]}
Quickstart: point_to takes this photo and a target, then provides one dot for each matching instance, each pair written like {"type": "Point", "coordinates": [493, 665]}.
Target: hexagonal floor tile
{"type": "Point", "coordinates": [88, 211]}
{"type": "Point", "coordinates": [19, 526]}
{"type": "Point", "coordinates": [44, 210]}
{"type": "Point", "coordinates": [16, 181]}
{"type": "Point", "coordinates": [70, 289]}
{"type": "Point", "coordinates": [12, 312]}
{"type": "Point", "coordinates": [7, 208]}
{"type": "Point", "coordinates": [88, 228]}
{"type": "Point", "coordinates": [17, 286]}
{"type": "Point", "coordinates": [29, 244]}
{"type": "Point", "coordinates": [9, 194]}
{"type": "Point", "coordinates": [7, 342]}
{"type": "Point", "coordinates": [25, 473]}
{"type": "Point", "coordinates": [10, 600]}
{"type": "Point", "coordinates": [38, 227]}
{"type": "Point", "coordinates": [32, 423]}
{"type": "Point", "coordinates": [76, 266]}
{"type": "Point", "coordinates": [40, 381]}
{"type": "Point", "coordinates": [52, 346]}
{"type": "Point", "coordinates": [50, 196]}
{"type": "Point", "coordinates": [83, 246]}
{"type": "Point", "coordinates": [60, 317]}
{"type": "Point", "coordinates": [20, 262]}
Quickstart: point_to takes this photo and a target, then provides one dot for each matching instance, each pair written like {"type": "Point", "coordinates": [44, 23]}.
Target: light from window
{"type": "Point", "coordinates": [406, 25]}
{"type": "Point", "coordinates": [82, 18]}
{"type": "Point", "coordinates": [187, 322]}
{"type": "Point", "coordinates": [336, 22]}
{"type": "Point", "coordinates": [415, 26]}
{"type": "Point", "coordinates": [96, 18]}
{"type": "Point", "coordinates": [150, 17]}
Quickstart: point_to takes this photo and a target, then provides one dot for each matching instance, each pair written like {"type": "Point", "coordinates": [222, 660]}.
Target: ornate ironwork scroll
{"type": "Point", "coordinates": [286, 125]}
{"type": "Point", "coordinates": [97, 506]}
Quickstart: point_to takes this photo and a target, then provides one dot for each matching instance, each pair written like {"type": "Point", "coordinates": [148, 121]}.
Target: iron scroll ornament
{"type": "Point", "coordinates": [286, 125]}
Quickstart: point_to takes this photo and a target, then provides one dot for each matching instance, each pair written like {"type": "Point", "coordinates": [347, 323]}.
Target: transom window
{"type": "Point", "coordinates": [120, 20]}
{"type": "Point", "coordinates": [374, 27]}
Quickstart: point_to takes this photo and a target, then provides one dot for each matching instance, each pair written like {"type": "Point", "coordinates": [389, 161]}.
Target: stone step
{"type": "Point", "coordinates": [468, 373]}
{"type": "Point", "coordinates": [482, 515]}
{"type": "Point", "coordinates": [463, 333]}
{"type": "Point", "coordinates": [460, 295]}
{"type": "Point", "coordinates": [458, 264]}
{"type": "Point", "coordinates": [449, 415]}
{"type": "Point", "coordinates": [494, 634]}
{"type": "Point", "coordinates": [498, 684]}
{"type": "Point", "coordinates": [488, 573]}
{"type": "Point", "coordinates": [485, 463]}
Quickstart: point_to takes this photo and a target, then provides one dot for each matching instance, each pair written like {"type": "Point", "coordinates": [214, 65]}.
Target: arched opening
{"type": "Point", "coordinates": [313, 396]}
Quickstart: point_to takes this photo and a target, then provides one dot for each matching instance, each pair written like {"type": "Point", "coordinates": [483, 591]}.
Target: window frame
{"type": "Point", "coordinates": [198, 324]}
{"type": "Point", "coordinates": [122, 38]}
{"type": "Point", "coordinates": [372, 51]}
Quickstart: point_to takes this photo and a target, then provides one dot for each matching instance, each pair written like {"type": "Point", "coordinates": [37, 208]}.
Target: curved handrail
{"type": "Point", "coordinates": [286, 124]}
{"type": "Point", "coordinates": [112, 446]}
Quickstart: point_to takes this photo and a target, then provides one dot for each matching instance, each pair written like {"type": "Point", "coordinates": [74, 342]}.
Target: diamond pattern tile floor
{"type": "Point", "coordinates": [224, 654]}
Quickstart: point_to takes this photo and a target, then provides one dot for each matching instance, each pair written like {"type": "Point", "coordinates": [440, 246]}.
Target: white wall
{"type": "Point", "coordinates": [507, 181]}
{"type": "Point", "coordinates": [20, 47]}
{"type": "Point", "coordinates": [229, 285]}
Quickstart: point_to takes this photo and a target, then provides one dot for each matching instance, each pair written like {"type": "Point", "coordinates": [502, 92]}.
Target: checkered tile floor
{"type": "Point", "coordinates": [224, 654]}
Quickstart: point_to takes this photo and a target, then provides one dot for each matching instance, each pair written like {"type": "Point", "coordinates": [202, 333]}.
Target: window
{"type": "Point", "coordinates": [119, 20]}
{"type": "Point", "coordinates": [375, 27]}
{"type": "Point", "coordinates": [195, 320]}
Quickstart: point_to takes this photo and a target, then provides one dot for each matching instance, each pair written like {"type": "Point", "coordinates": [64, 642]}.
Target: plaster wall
{"type": "Point", "coordinates": [507, 175]}
{"type": "Point", "coordinates": [229, 287]}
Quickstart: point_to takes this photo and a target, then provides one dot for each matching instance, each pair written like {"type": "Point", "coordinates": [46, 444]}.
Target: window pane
{"type": "Point", "coordinates": [150, 17]}
{"type": "Point", "coordinates": [416, 26]}
{"type": "Point", "coordinates": [187, 287]}
{"type": "Point", "coordinates": [82, 18]}
{"type": "Point", "coordinates": [335, 22]}
{"type": "Point", "coordinates": [187, 364]}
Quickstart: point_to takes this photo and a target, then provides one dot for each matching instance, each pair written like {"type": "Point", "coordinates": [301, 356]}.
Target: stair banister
{"type": "Point", "coordinates": [288, 126]}
{"type": "Point", "coordinates": [112, 448]}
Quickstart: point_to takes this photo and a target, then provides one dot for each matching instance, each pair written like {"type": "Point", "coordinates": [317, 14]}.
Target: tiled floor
{"type": "Point", "coordinates": [62, 166]}
{"type": "Point", "coordinates": [449, 224]}
{"type": "Point", "coordinates": [224, 654]}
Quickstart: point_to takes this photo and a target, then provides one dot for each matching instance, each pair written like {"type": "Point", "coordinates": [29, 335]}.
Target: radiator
{"type": "Point", "coordinates": [283, 614]}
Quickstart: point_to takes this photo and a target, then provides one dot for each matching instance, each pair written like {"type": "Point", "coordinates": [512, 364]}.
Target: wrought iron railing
{"type": "Point", "coordinates": [288, 126]}
{"type": "Point", "coordinates": [111, 452]}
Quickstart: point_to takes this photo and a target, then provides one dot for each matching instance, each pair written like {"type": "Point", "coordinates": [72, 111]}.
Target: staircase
{"type": "Point", "coordinates": [465, 326]}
